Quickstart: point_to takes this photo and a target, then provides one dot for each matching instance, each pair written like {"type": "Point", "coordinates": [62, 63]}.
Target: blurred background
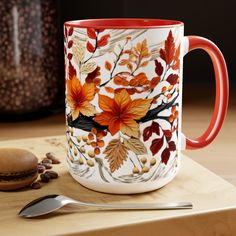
{"type": "Point", "coordinates": [31, 47]}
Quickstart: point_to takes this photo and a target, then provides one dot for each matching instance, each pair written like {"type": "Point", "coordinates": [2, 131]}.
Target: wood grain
{"type": "Point", "coordinates": [214, 202]}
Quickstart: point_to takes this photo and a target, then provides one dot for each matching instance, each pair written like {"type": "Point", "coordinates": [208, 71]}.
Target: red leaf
{"type": "Point", "coordinates": [69, 56]}
{"type": "Point", "coordinates": [172, 79]}
{"type": "Point", "coordinates": [108, 65]}
{"type": "Point", "coordinates": [70, 44]}
{"type": "Point", "coordinates": [165, 155]}
{"type": "Point", "coordinates": [148, 131]}
{"type": "Point", "coordinates": [71, 30]}
{"type": "Point", "coordinates": [100, 30]}
{"type": "Point", "coordinates": [90, 47]}
{"type": "Point", "coordinates": [176, 65]}
{"type": "Point", "coordinates": [172, 146]}
{"type": "Point", "coordinates": [93, 75]}
{"type": "Point", "coordinates": [159, 68]}
{"type": "Point", "coordinates": [71, 71]}
{"type": "Point", "coordinates": [154, 82]}
{"type": "Point", "coordinates": [177, 53]}
{"type": "Point", "coordinates": [167, 134]}
{"type": "Point", "coordinates": [167, 53]}
{"type": "Point", "coordinates": [91, 33]}
{"type": "Point", "coordinates": [156, 145]}
{"type": "Point", "coordinates": [103, 40]}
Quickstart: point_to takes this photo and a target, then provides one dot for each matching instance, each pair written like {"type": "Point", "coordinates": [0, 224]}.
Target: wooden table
{"type": "Point", "coordinates": [213, 198]}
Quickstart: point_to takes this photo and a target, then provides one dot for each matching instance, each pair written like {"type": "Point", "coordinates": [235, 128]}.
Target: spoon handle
{"type": "Point", "coordinates": [141, 206]}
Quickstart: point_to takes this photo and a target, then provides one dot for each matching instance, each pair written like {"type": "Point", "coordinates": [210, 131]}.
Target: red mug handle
{"type": "Point", "coordinates": [222, 90]}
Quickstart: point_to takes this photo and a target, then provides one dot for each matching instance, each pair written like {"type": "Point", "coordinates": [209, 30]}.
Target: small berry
{"type": "Point", "coordinates": [82, 149]}
{"type": "Point", "coordinates": [88, 142]}
{"type": "Point", "coordinates": [143, 160]}
{"type": "Point", "coordinates": [90, 163]}
{"type": "Point", "coordinates": [90, 136]}
{"type": "Point", "coordinates": [84, 138]}
{"type": "Point", "coordinates": [135, 170]}
{"type": "Point", "coordinates": [91, 154]}
{"type": "Point", "coordinates": [94, 130]}
{"type": "Point", "coordinates": [145, 169]}
{"type": "Point", "coordinates": [75, 152]}
{"type": "Point", "coordinates": [100, 143]}
{"type": "Point", "coordinates": [81, 161]}
{"type": "Point", "coordinates": [97, 151]}
{"type": "Point", "coordinates": [93, 144]}
{"type": "Point", "coordinates": [152, 161]}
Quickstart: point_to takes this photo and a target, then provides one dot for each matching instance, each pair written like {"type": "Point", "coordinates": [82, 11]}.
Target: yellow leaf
{"type": "Point", "coordinates": [78, 51]}
{"type": "Point", "coordinates": [135, 145]}
{"type": "Point", "coordinates": [88, 67]}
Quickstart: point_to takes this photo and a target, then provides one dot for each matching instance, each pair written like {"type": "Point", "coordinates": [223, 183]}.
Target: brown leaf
{"type": "Point", "coordinates": [116, 154]}
{"type": "Point", "coordinates": [167, 54]}
{"type": "Point", "coordinates": [108, 65]}
{"type": "Point", "coordinates": [135, 145]}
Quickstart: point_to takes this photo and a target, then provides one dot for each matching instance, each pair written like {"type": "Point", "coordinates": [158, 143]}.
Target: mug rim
{"type": "Point", "coordinates": [124, 23]}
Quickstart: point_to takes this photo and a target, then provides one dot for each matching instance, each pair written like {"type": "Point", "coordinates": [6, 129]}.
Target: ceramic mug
{"type": "Point", "coordinates": [124, 101]}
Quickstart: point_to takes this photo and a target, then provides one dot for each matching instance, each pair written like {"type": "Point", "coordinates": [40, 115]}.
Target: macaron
{"type": "Point", "coordinates": [18, 168]}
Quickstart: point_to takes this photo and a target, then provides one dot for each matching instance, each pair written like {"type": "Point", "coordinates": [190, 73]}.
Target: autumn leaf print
{"type": "Point", "coordinates": [79, 97]}
{"type": "Point", "coordinates": [167, 53]}
{"type": "Point", "coordinates": [136, 146]}
{"type": "Point", "coordinates": [121, 113]}
{"type": "Point", "coordinates": [116, 154]}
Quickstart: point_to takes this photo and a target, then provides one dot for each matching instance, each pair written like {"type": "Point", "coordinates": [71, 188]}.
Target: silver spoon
{"type": "Point", "coordinates": [49, 203]}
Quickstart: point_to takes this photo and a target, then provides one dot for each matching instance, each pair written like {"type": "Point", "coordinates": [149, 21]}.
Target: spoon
{"type": "Point", "coordinates": [50, 203]}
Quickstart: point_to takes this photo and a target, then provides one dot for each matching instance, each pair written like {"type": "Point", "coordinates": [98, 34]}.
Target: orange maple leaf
{"type": "Point", "coordinates": [121, 113]}
{"type": "Point", "coordinates": [78, 97]}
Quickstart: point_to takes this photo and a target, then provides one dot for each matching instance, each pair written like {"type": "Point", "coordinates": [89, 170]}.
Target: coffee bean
{"type": "Point", "coordinates": [45, 178]}
{"type": "Point", "coordinates": [47, 165]}
{"type": "Point", "coordinates": [46, 160]}
{"type": "Point", "coordinates": [41, 168]}
{"type": "Point", "coordinates": [51, 156]}
{"type": "Point", "coordinates": [36, 185]}
{"type": "Point", "coordinates": [52, 174]}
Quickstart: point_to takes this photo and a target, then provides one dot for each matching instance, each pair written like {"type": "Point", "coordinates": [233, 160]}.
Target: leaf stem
{"type": "Point", "coordinates": [115, 64]}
